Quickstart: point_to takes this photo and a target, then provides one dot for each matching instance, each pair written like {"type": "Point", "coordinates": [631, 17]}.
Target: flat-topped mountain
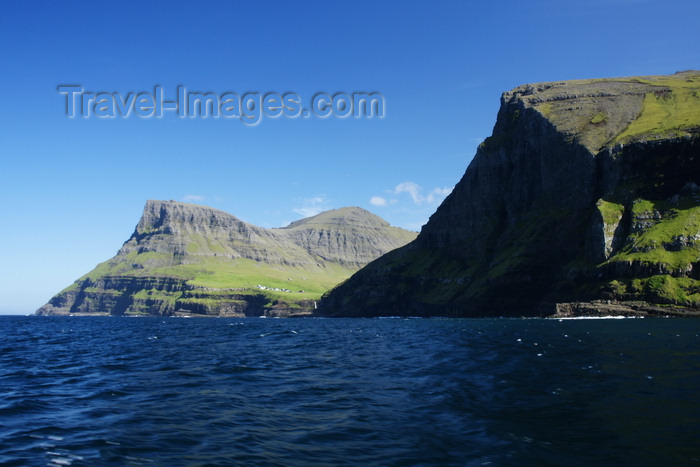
{"type": "Point", "coordinates": [189, 259]}
{"type": "Point", "coordinates": [585, 199]}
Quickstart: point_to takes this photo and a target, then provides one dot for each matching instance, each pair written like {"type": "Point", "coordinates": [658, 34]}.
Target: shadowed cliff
{"type": "Point", "coordinates": [585, 197]}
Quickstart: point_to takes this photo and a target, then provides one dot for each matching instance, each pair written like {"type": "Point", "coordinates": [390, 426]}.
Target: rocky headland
{"type": "Point", "coordinates": [190, 260]}
{"type": "Point", "coordinates": [585, 200]}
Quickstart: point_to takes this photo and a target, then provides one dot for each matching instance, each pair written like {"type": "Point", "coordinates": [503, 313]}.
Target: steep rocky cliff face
{"type": "Point", "coordinates": [587, 191]}
{"type": "Point", "coordinates": [195, 260]}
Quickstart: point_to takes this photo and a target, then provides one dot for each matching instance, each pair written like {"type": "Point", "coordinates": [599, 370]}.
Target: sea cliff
{"type": "Point", "coordinates": [585, 197]}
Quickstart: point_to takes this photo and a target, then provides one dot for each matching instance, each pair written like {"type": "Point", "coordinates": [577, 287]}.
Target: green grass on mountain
{"type": "Point", "coordinates": [645, 108]}
{"type": "Point", "coordinates": [663, 237]}
{"type": "Point", "coordinates": [611, 214]}
{"type": "Point", "coordinates": [662, 289]}
{"type": "Point", "coordinates": [673, 289]}
{"type": "Point", "coordinates": [670, 111]}
{"type": "Point", "coordinates": [660, 242]}
{"type": "Point", "coordinates": [226, 273]}
{"type": "Point", "coordinates": [600, 117]}
{"type": "Point", "coordinates": [246, 273]}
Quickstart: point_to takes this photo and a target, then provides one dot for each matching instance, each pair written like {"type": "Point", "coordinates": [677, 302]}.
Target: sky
{"type": "Point", "coordinates": [73, 189]}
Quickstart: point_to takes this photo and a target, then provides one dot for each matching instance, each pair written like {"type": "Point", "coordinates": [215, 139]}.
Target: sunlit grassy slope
{"type": "Point", "coordinates": [209, 249]}
{"type": "Point", "coordinates": [612, 111]}
{"type": "Point", "coordinates": [673, 109]}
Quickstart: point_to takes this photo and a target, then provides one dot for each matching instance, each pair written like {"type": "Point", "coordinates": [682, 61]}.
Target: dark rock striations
{"type": "Point", "coordinates": [184, 259]}
{"type": "Point", "coordinates": [586, 192]}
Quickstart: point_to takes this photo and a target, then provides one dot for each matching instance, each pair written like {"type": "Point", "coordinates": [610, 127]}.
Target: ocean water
{"type": "Point", "coordinates": [193, 392]}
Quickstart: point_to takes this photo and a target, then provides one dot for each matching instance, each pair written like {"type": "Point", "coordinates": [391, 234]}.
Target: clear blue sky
{"type": "Point", "coordinates": [72, 190]}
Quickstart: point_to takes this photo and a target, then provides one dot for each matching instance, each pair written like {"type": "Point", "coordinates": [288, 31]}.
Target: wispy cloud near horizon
{"type": "Point", "coordinates": [378, 201]}
{"type": "Point", "coordinates": [312, 206]}
{"type": "Point", "coordinates": [415, 191]}
{"type": "Point", "coordinates": [408, 205]}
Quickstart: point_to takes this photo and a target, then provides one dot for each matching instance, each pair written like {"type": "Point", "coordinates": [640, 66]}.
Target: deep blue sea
{"type": "Point", "coordinates": [193, 392]}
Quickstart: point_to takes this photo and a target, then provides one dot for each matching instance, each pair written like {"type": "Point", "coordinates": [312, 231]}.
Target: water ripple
{"type": "Point", "coordinates": [110, 391]}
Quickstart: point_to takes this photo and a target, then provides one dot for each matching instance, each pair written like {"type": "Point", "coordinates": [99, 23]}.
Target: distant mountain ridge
{"type": "Point", "coordinates": [189, 259]}
{"type": "Point", "coordinates": [350, 236]}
